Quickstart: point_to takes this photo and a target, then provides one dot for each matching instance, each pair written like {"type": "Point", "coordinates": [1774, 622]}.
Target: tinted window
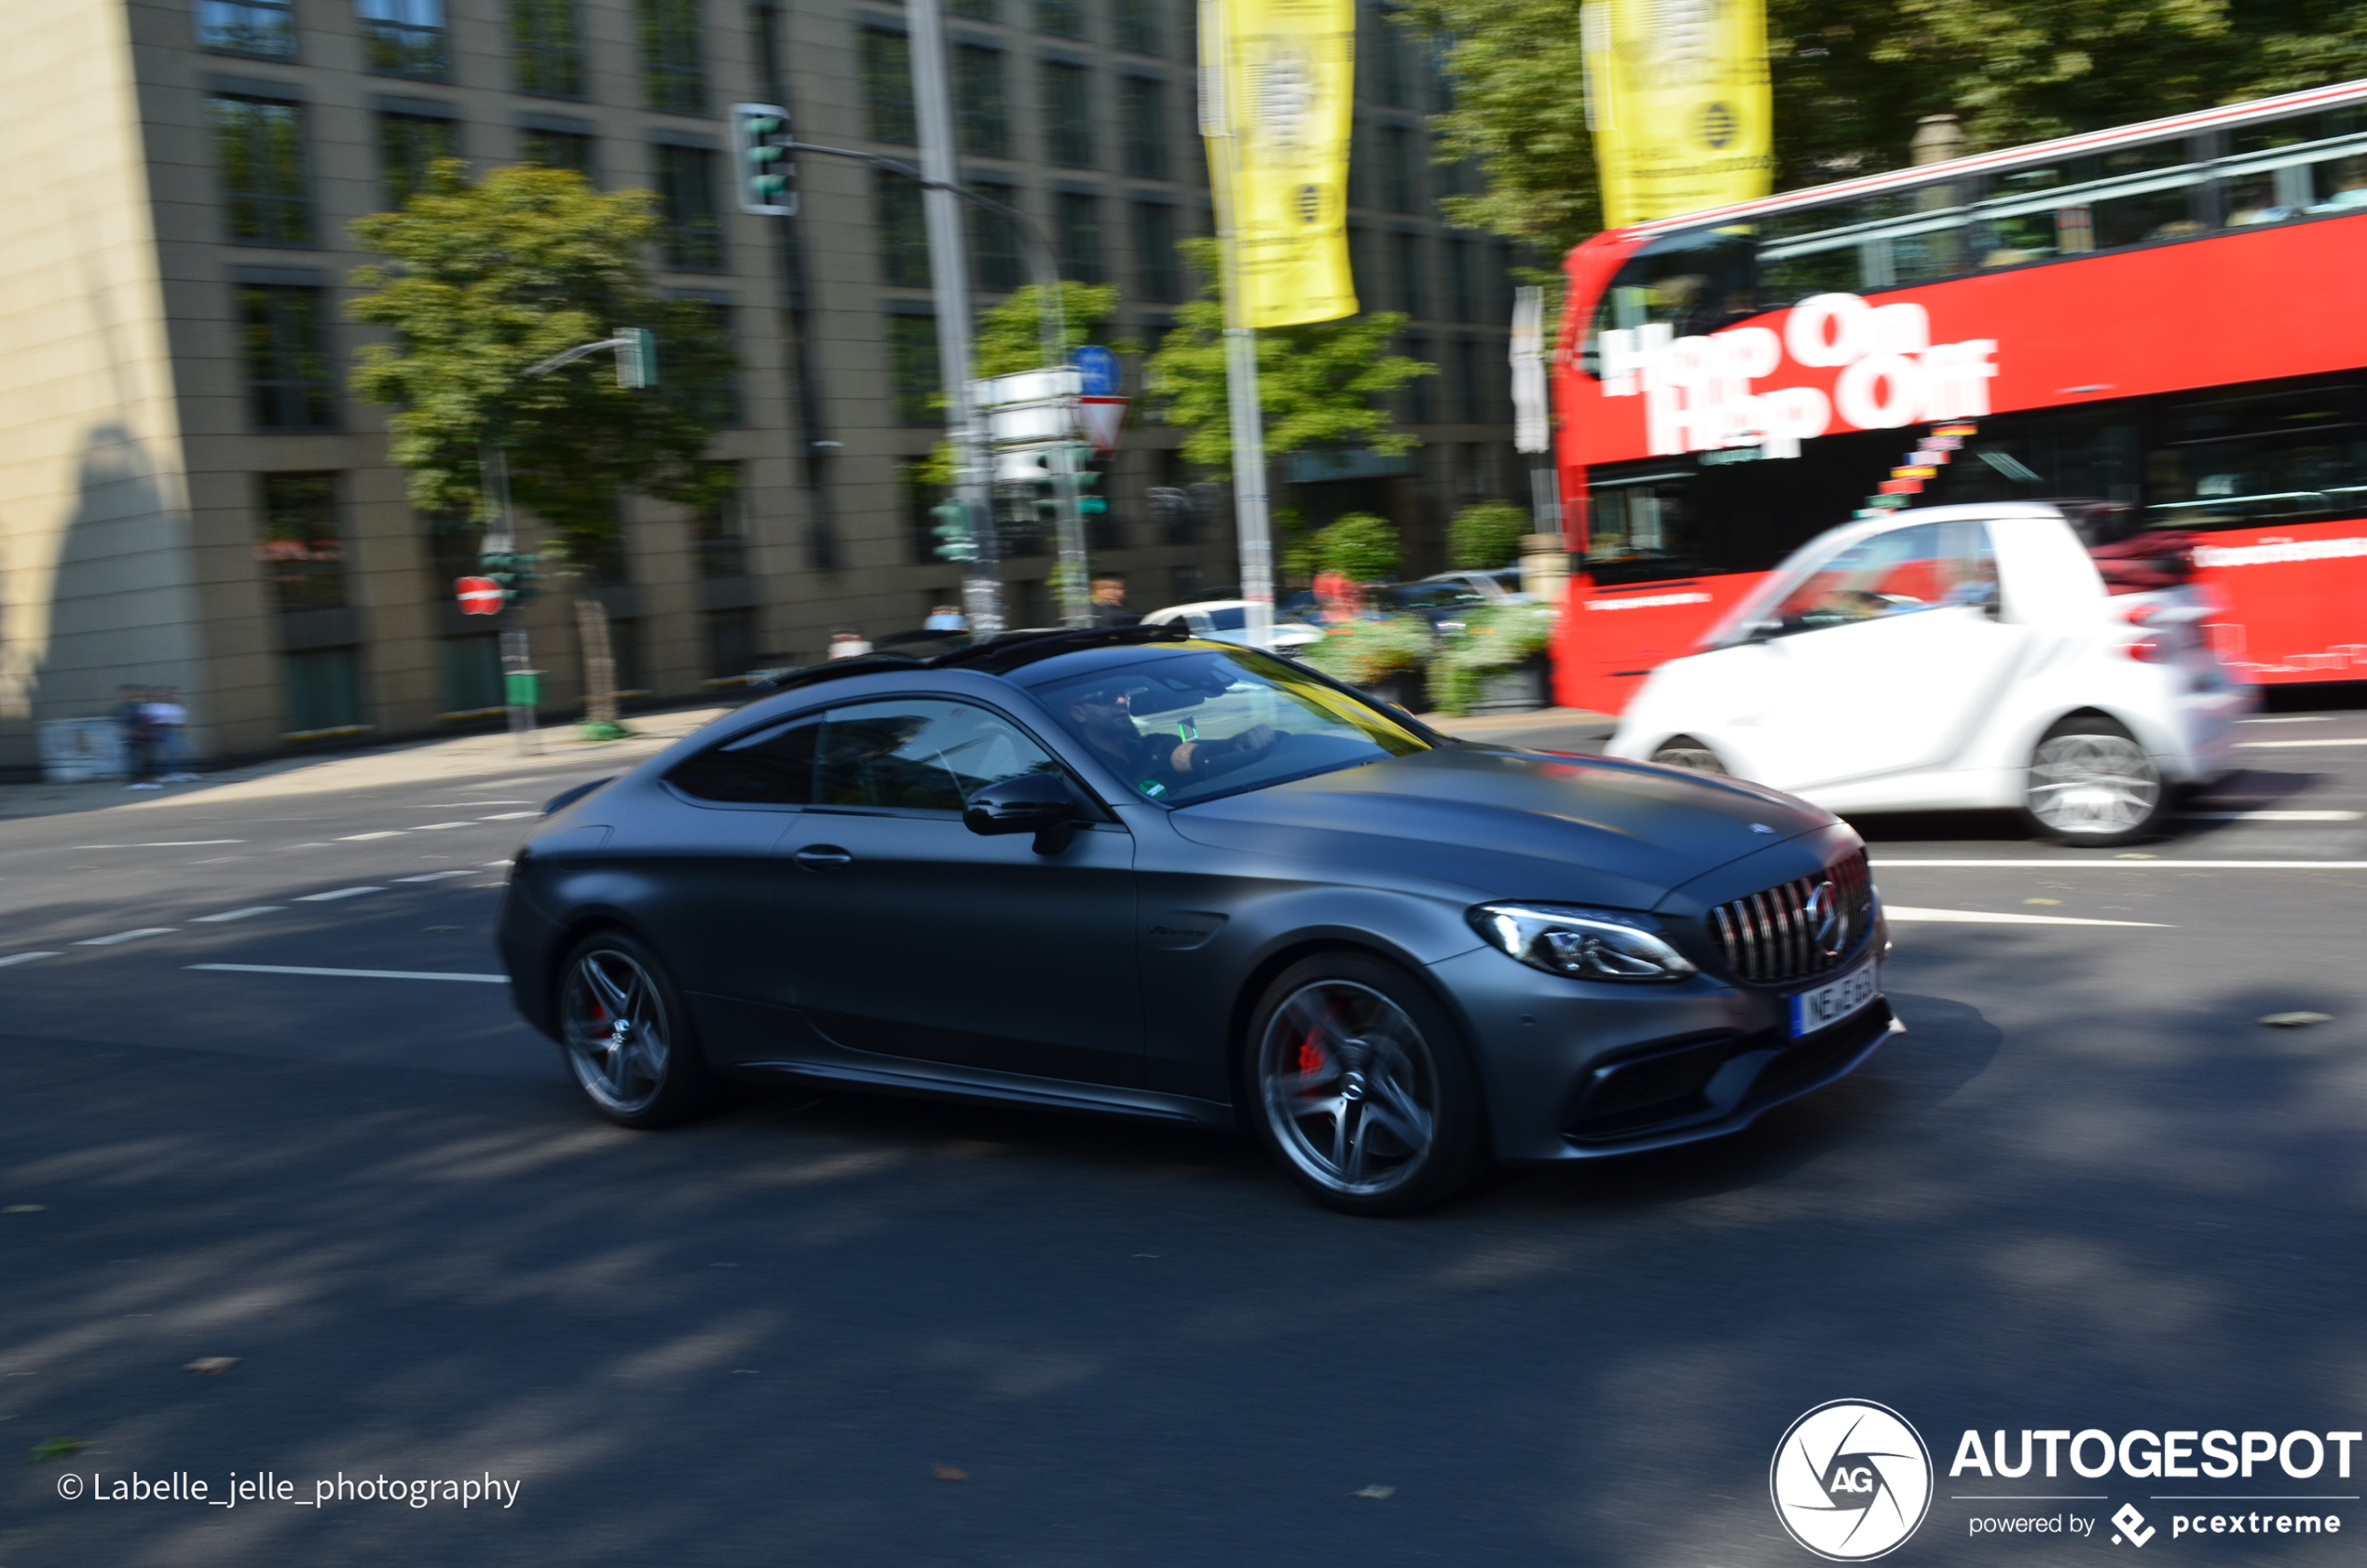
{"type": "Point", "coordinates": [919, 753]}
{"type": "Point", "coordinates": [2259, 455]}
{"type": "Point", "coordinates": [771, 768]}
{"type": "Point", "coordinates": [1926, 566]}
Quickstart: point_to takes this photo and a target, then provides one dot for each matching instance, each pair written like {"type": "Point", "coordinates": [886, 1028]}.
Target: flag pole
{"type": "Point", "coordinates": [1250, 508]}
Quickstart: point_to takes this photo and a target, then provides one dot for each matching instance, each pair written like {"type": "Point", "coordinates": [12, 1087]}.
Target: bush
{"type": "Point", "coordinates": [1486, 535]}
{"type": "Point", "coordinates": [1493, 641]}
{"type": "Point", "coordinates": [1362, 652]}
{"type": "Point", "coordinates": [1360, 546]}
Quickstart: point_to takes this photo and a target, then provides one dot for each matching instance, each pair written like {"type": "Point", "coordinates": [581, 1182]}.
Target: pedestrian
{"type": "Point", "coordinates": [848, 643]}
{"type": "Point", "coordinates": [169, 736]}
{"type": "Point", "coordinates": [131, 718]}
{"type": "Point", "coordinates": [1109, 606]}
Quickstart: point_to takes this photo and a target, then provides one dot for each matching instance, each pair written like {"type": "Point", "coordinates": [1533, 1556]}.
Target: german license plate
{"type": "Point", "coordinates": [1836, 1000]}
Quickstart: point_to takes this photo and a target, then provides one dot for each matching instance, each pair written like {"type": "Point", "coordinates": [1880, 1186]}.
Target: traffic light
{"type": "Point", "coordinates": [1087, 503]}
{"type": "Point", "coordinates": [636, 358]}
{"type": "Point", "coordinates": [514, 572]}
{"type": "Point", "coordinates": [759, 148]}
{"type": "Point", "coordinates": [956, 540]}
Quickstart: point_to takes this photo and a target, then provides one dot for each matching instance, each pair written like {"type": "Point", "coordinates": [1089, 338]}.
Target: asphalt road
{"type": "Point", "coordinates": [2086, 1190]}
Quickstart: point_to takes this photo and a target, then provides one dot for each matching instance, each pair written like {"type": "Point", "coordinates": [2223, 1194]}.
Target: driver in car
{"type": "Point", "coordinates": [1155, 764]}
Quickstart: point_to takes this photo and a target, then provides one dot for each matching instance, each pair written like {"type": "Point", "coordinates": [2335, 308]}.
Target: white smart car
{"type": "Point", "coordinates": [1951, 658]}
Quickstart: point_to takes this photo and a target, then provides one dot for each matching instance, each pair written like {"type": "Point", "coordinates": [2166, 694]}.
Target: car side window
{"type": "Point", "coordinates": [774, 767]}
{"type": "Point", "coordinates": [1925, 566]}
{"type": "Point", "coordinates": [919, 753]}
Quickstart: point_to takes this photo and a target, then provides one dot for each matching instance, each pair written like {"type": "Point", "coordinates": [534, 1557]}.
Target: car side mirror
{"type": "Point", "coordinates": [1037, 803]}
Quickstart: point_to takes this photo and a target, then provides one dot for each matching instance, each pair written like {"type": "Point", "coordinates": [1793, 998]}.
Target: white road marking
{"type": "Point", "coordinates": [2282, 745]}
{"type": "Point", "coordinates": [23, 958]}
{"type": "Point", "coordinates": [2273, 816]}
{"type": "Point", "coordinates": [352, 973]}
{"type": "Point", "coordinates": [513, 816]}
{"type": "Point", "coordinates": [124, 936]}
{"type": "Point", "coordinates": [164, 844]}
{"type": "Point", "coordinates": [434, 876]}
{"type": "Point", "coordinates": [2177, 865]}
{"type": "Point", "coordinates": [456, 805]}
{"type": "Point", "coordinates": [2314, 718]}
{"type": "Point", "coordinates": [240, 914]}
{"type": "Point", "coordinates": [497, 862]}
{"type": "Point", "coordinates": [382, 833]}
{"type": "Point", "coordinates": [334, 893]}
{"type": "Point", "coordinates": [1982, 917]}
{"type": "Point", "coordinates": [434, 826]}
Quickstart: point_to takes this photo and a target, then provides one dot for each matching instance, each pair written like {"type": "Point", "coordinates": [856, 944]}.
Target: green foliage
{"type": "Point", "coordinates": [486, 280]}
{"type": "Point", "coordinates": [1011, 334]}
{"type": "Point", "coordinates": [1361, 546]}
{"type": "Point", "coordinates": [1362, 652]}
{"type": "Point", "coordinates": [1293, 543]}
{"type": "Point", "coordinates": [1851, 78]}
{"type": "Point", "coordinates": [1315, 384]}
{"type": "Point", "coordinates": [1486, 535]}
{"type": "Point", "coordinates": [1494, 640]}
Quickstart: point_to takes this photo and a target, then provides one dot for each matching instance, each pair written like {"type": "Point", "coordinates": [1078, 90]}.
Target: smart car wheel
{"type": "Point", "coordinates": [2091, 783]}
{"type": "Point", "coordinates": [627, 1035]}
{"type": "Point", "coordinates": [1683, 750]}
{"type": "Point", "coordinates": [1362, 1088]}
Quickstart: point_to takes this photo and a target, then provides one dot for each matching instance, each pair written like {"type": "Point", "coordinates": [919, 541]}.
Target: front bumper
{"type": "Point", "coordinates": [1579, 1072]}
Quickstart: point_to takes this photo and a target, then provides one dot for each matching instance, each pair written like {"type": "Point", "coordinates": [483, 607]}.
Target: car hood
{"type": "Point", "coordinates": [1511, 825]}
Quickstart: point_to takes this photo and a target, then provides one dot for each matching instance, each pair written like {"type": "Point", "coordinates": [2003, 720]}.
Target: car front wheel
{"type": "Point", "coordinates": [628, 1036]}
{"type": "Point", "coordinates": [1363, 1088]}
{"type": "Point", "coordinates": [2091, 783]}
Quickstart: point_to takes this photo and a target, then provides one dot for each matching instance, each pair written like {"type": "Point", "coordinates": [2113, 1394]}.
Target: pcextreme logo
{"type": "Point", "coordinates": [1851, 1480]}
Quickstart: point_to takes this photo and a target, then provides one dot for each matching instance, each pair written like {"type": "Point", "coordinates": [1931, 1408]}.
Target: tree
{"type": "Point", "coordinates": [484, 281]}
{"type": "Point", "coordinates": [1317, 384]}
{"type": "Point", "coordinates": [1011, 336]}
{"type": "Point", "coordinates": [1360, 546]}
{"type": "Point", "coordinates": [1486, 535]}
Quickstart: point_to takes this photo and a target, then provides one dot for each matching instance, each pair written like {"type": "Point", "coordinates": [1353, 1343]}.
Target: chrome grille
{"type": "Point", "coordinates": [1773, 935]}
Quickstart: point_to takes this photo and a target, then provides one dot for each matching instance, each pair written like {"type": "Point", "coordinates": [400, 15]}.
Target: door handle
{"type": "Point", "coordinates": [823, 857]}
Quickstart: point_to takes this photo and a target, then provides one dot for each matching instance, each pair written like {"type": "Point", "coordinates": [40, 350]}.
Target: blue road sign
{"type": "Point", "coordinates": [1098, 367]}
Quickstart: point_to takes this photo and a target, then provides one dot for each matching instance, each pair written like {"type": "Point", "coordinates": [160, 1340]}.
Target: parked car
{"type": "Point", "coordinates": [1956, 657]}
{"type": "Point", "coordinates": [1124, 872]}
{"type": "Point", "coordinates": [1227, 620]}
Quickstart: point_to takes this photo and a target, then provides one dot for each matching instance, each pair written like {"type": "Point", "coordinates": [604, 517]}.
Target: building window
{"type": "Point", "coordinates": [407, 144]}
{"type": "Point", "coordinates": [324, 692]}
{"type": "Point", "coordinates": [995, 241]}
{"type": "Point", "coordinates": [1360, 266]}
{"type": "Point", "coordinates": [1397, 168]}
{"type": "Point", "coordinates": [1143, 104]}
{"type": "Point", "coordinates": [982, 116]}
{"type": "Point", "coordinates": [1410, 288]}
{"type": "Point", "coordinates": [405, 38]}
{"type": "Point", "coordinates": [914, 382]}
{"type": "Point", "coordinates": [686, 206]}
{"type": "Point", "coordinates": [730, 642]}
{"type": "Point", "coordinates": [1467, 374]}
{"type": "Point", "coordinates": [1063, 17]}
{"type": "Point", "coordinates": [1389, 78]}
{"type": "Point", "coordinates": [718, 399]}
{"type": "Point", "coordinates": [1138, 26]}
{"type": "Point", "coordinates": [297, 544]}
{"type": "Point", "coordinates": [1418, 391]}
{"type": "Point", "coordinates": [897, 204]}
{"type": "Point", "coordinates": [472, 676]}
{"type": "Point", "coordinates": [718, 528]}
{"type": "Point", "coordinates": [548, 45]}
{"type": "Point", "coordinates": [887, 87]}
{"type": "Point", "coordinates": [1459, 300]}
{"type": "Point", "coordinates": [260, 147]}
{"type": "Point", "coordinates": [263, 28]}
{"type": "Point", "coordinates": [671, 74]}
{"type": "Point", "coordinates": [1159, 272]}
{"type": "Point", "coordinates": [980, 10]}
{"type": "Point", "coordinates": [556, 149]}
{"type": "Point", "coordinates": [1067, 114]}
{"type": "Point", "coordinates": [286, 335]}
{"type": "Point", "coordinates": [1079, 217]}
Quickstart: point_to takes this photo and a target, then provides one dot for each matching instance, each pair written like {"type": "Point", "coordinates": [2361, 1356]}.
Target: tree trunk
{"type": "Point", "coordinates": [599, 661]}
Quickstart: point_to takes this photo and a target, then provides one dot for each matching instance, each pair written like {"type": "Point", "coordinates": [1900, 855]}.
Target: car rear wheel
{"type": "Point", "coordinates": [2091, 783]}
{"type": "Point", "coordinates": [1363, 1088]}
{"type": "Point", "coordinates": [1683, 750]}
{"type": "Point", "coordinates": [628, 1036]}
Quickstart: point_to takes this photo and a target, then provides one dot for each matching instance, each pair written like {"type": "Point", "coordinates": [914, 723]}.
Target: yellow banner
{"type": "Point", "coordinates": [1676, 96]}
{"type": "Point", "coordinates": [1289, 78]}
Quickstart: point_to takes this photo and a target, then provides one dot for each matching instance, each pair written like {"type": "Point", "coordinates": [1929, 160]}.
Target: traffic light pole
{"type": "Point", "coordinates": [517, 671]}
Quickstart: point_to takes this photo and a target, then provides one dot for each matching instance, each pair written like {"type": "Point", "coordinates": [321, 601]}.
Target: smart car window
{"type": "Point", "coordinates": [918, 754]}
{"type": "Point", "coordinates": [1187, 726]}
{"type": "Point", "coordinates": [774, 767]}
{"type": "Point", "coordinates": [1927, 566]}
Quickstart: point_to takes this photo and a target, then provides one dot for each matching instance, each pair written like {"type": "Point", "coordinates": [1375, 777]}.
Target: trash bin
{"type": "Point", "coordinates": [525, 688]}
{"type": "Point", "coordinates": [78, 750]}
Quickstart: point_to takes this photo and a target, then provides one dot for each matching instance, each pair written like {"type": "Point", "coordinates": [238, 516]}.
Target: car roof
{"type": "Point", "coordinates": [996, 656]}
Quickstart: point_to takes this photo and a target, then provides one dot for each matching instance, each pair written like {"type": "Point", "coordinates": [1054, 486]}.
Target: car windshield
{"type": "Point", "coordinates": [1190, 726]}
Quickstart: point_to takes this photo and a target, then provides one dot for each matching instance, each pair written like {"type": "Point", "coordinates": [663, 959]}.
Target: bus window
{"type": "Point", "coordinates": [2266, 455]}
{"type": "Point", "coordinates": [1875, 243]}
{"type": "Point", "coordinates": [1697, 280]}
{"type": "Point", "coordinates": [2125, 196]}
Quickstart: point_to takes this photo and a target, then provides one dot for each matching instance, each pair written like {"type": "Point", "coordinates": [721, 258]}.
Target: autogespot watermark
{"type": "Point", "coordinates": [269, 1488]}
{"type": "Point", "coordinates": [1852, 1481]}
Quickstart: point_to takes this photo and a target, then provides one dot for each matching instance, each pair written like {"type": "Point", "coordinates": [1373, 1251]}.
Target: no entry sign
{"type": "Point", "coordinates": [479, 596]}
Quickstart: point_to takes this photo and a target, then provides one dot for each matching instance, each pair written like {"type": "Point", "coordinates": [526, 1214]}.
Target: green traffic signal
{"type": "Point", "coordinates": [956, 540]}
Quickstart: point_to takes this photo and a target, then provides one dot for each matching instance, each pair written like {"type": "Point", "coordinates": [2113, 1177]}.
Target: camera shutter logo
{"type": "Point", "coordinates": [1851, 1480]}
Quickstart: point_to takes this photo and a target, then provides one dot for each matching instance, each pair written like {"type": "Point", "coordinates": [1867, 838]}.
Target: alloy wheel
{"type": "Point", "coordinates": [2092, 785]}
{"type": "Point", "coordinates": [1349, 1087]}
{"type": "Point", "coordinates": [615, 1027]}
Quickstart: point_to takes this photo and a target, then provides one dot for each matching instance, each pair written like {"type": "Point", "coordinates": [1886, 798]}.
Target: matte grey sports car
{"type": "Point", "coordinates": [1126, 871]}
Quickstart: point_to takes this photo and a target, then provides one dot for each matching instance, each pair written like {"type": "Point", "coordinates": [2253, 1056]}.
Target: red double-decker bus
{"type": "Point", "coordinates": [2171, 315]}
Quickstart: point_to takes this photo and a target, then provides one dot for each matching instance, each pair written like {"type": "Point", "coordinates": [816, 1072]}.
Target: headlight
{"type": "Point", "coordinates": [1583, 944]}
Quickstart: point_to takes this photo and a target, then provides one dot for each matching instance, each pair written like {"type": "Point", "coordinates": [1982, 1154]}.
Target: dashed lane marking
{"type": "Point", "coordinates": [437, 827]}
{"type": "Point", "coordinates": [456, 805]}
{"type": "Point", "coordinates": [2286, 745]}
{"type": "Point", "coordinates": [2272, 817]}
{"type": "Point", "coordinates": [125, 936]}
{"type": "Point", "coordinates": [1983, 917]}
{"type": "Point", "coordinates": [164, 844]}
{"type": "Point", "coordinates": [337, 894]}
{"type": "Point", "coordinates": [434, 876]}
{"type": "Point", "coordinates": [23, 958]}
{"type": "Point", "coordinates": [352, 973]}
{"type": "Point", "coordinates": [2150, 864]}
{"type": "Point", "coordinates": [513, 816]}
{"type": "Point", "coordinates": [382, 833]}
{"type": "Point", "coordinates": [238, 914]}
